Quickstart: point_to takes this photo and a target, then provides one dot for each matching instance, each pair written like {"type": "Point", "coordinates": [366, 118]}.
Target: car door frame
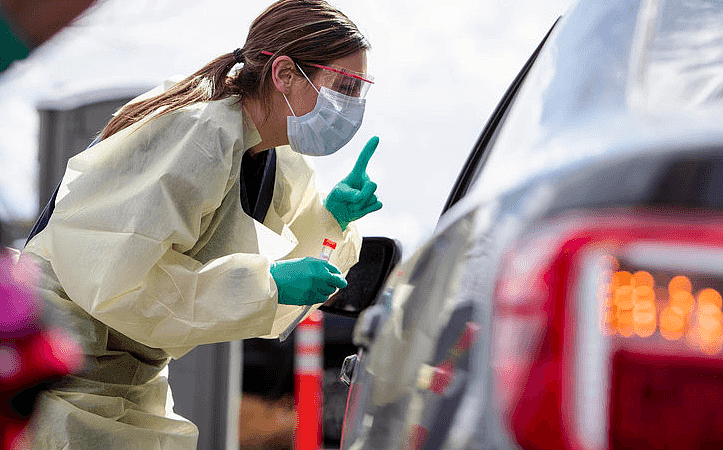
{"type": "Point", "coordinates": [481, 150]}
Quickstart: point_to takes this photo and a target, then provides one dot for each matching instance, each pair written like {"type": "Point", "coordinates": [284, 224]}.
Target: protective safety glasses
{"type": "Point", "coordinates": [341, 80]}
{"type": "Point", "coordinates": [344, 81]}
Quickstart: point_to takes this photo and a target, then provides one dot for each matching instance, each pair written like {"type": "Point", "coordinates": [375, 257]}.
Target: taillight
{"type": "Point", "coordinates": [678, 307]}
{"type": "Point", "coordinates": [595, 287]}
{"type": "Point", "coordinates": [522, 313]}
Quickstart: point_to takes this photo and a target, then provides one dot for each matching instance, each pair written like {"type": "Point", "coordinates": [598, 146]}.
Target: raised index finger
{"type": "Point", "coordinates": [361, 163]}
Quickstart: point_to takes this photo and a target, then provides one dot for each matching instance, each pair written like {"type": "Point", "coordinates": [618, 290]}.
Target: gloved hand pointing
{"type": "Point", "coordinates": [353, 197]}
{"type": "Point", "coordinates": [306, 281]}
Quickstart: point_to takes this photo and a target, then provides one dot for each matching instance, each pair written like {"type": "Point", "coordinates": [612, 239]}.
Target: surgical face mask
{"type": "Point", "coordinates": [329, 126]}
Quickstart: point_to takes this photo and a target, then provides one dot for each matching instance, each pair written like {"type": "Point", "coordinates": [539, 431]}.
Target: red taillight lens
{"type": "Point", "coordinates": [665, 401]}
{"type": "Point", "coordinates": [521, 329]}
{"type": "Point", "coordinates": [517, 337]}
{"type": "Point", "coordinates": [607, 282]}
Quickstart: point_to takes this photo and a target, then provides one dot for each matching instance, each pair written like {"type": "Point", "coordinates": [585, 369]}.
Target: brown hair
{"type": "Point", "coordinates": [308, 31]}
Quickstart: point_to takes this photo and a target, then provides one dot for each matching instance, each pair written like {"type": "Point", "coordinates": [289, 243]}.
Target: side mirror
{"type": "Point", "coordinates": [366, 278]}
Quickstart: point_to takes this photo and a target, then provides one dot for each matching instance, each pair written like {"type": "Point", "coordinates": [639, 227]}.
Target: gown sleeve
{"type": "Point", "coordinates": [299, 205]}
{"type": "Point", "coordinates": [128, 206]}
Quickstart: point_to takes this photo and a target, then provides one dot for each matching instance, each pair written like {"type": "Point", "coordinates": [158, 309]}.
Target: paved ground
{"type": "Point", "coordinates": [267, 425]}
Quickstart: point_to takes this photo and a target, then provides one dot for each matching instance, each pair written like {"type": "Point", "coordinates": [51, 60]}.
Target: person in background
{"type": "Point", "coordinates": [34, 354]}
{"type": "Point", "coordinates": [194, 218]}
{"type": "Point", "coordinates": [25, 24]}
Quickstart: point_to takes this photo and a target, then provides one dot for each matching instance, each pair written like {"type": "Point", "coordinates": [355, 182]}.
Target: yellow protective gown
{"type": "Point", "coordinates": [149, 253]}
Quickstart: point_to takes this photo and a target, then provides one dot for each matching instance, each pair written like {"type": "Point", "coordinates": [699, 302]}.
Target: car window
{"type": "Point", "coordinates": [569, 109]}
{"type": "Point", "coordinates": [477, 157]}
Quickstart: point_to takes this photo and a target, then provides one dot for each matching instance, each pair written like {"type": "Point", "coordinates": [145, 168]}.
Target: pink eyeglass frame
{"type": "Point", "coordinates": [343, 72]}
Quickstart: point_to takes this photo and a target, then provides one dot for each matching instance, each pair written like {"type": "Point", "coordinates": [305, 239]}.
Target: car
{"type": "Point", "coordinates": [570, 294]}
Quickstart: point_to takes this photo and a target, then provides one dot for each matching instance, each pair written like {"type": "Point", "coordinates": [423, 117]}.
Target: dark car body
{"type": "Point", "coordinates": [604, 156]}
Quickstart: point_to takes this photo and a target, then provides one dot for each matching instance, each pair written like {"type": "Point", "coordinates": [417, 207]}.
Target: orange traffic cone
{"type": "Point", "coordinates": [308, 372]}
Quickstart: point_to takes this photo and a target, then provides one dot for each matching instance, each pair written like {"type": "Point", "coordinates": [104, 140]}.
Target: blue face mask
{"type": "Point", "coordinates": [332, 123]}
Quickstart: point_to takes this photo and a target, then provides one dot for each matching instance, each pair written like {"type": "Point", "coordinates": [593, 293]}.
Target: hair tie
{"type": "Point", "coordinates": [239, 55]}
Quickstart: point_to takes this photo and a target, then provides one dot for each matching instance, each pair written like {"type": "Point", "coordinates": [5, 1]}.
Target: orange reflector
{"type": "Point", "coordinates": [710, 296]}
{"type": "Point", "coordinates": [644, 293]}
{"type": "Point", "coordinates": [672, 323]}
{"type": "Point", "coordinates": [709, 325]}
{"type": "Point", "coordinates": [643, 278]}
{"type": "Point", "coordinates": [644, 312]}
{"type": "Point", "coordinates": [679, 283]}
{"type": "Point", "coordinates": [621, 278]}
{"type": "Point", "coordinates": [624, 306]}
{"type": "Point", "coordinates": [682, 299]}
{"type": "Point", "coordinates": [635, 302]}
{"type": "Point", "coordinates": [709, 310]}
{"type": "Point", "coordinates": [624, 297]}
{"type": "Point", "coordinates": [707, 334]}
{"type": "Point", "coordinates": [644, 323]}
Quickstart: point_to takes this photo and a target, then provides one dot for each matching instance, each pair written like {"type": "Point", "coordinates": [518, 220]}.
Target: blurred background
{"type": "Point", "coordinates": [439, 67]}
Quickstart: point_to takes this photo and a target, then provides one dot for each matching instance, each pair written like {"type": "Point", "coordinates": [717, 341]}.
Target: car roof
{"type": "Point", "coordinates": [615, 76]}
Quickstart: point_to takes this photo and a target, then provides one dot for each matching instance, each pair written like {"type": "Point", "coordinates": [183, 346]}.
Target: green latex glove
{"type": "Point", "coordinates": [306, 281]}
{"type": "Point", "coordinates": [353, 197]}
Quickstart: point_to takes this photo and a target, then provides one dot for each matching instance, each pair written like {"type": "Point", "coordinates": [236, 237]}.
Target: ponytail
{"type": "Point", "coordinates": [209, 83]}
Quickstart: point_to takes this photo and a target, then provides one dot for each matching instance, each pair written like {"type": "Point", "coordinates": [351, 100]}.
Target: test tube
{"type": "Point", "coordinates": [327, 248]}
